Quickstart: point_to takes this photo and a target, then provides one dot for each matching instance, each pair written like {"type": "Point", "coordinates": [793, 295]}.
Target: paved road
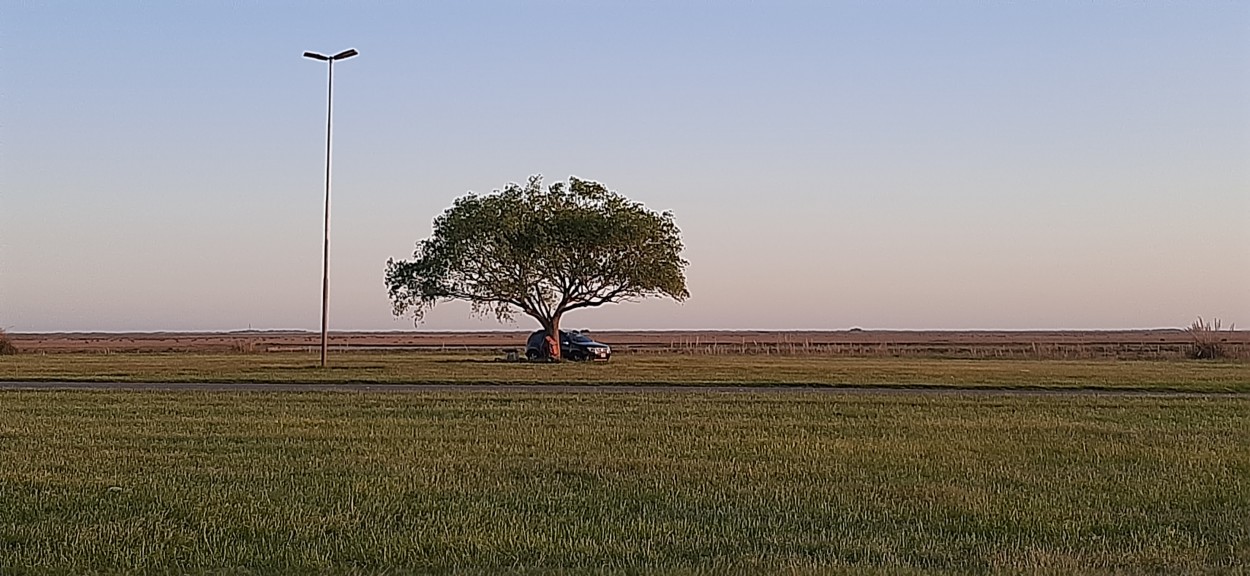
{"type": "Point", "coordinates": [591, 389]}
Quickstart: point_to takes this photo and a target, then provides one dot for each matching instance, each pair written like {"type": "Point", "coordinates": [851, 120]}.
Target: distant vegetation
{"type": "Point", "coordinates": [1164, 345]}
{"type": "Point", "coordinates": [1209, 341]}
{"type": "Point", "coordinates": [6, 347]}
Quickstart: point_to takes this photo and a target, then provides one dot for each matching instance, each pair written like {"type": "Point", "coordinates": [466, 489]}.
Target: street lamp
{"type": "Point", "coordinates": [325, 263]}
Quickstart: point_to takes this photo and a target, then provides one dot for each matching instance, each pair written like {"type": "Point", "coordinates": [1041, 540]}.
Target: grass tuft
{"type": "Point", "coordinates": [1208, 339]}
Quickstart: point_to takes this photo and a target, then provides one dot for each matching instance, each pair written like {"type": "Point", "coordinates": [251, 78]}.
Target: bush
{"type": "Point", "coordinates": [1208, 341]}
{"type": "Point", "coordinates": [6, 347]}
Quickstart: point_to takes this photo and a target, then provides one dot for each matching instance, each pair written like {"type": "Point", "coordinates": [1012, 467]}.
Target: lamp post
{"type": "Point", "coordinates": [325, 263]}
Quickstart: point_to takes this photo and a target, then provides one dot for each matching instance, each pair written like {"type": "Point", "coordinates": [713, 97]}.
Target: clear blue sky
{"type": "Point", "coordinates": [1015, 165]}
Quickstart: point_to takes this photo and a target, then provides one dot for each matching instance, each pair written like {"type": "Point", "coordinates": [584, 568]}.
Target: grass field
{"type": "Point", "coordinates": [635, 369]}
{"type": "Point", "coordinates": [689, 482]}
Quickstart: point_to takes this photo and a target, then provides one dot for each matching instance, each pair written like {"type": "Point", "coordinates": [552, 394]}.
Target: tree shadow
{"type": "Point", "coordinates": [486, 361]}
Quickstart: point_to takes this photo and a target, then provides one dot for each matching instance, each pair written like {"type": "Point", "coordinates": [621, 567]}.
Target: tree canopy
{"type": "Point", "coordinates": [541, 251]}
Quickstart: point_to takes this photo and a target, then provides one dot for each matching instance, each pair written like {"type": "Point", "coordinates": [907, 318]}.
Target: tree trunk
{"type": "Point", "coordinates": [553, 334]}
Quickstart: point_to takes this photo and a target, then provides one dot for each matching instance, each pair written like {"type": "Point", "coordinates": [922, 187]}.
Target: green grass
{"type": "Point", "coordinates": [632, 482]}
{"type": "Point", "coordinates": [635, 369]}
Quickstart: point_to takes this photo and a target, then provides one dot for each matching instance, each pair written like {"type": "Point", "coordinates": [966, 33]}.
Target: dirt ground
{"type": "Point", "coordinates": [1045, 344]}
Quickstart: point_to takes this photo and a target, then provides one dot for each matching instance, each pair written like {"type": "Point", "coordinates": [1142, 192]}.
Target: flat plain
{"type": "Point", "coordinates": [637, 482]}
{"type": "Point", "coordinates": [1161, 344]}
{"type": "Point", "coordinates": [636, 370]}
{"type": "Point", "coordinates": [1083, 465]}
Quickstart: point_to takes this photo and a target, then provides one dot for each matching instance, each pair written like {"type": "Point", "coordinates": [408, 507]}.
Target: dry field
{"type": "Point", "coordinates": [1131, 344]}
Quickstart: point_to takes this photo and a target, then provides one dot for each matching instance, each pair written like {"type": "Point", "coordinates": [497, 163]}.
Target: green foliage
{"type": "Point", "coordinates": [1208, 342]}
{"type": "Point", "coordinates": [6, 347]}
{"type": "Point", "coordinates": [542, 251]}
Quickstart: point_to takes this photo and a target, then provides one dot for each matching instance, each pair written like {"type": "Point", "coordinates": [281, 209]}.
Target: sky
{"type": "Point", "coordinates": [877, 164]}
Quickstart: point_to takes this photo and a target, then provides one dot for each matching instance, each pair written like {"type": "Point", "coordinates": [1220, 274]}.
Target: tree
{"type": "Point", "coordinates": [541, 251]}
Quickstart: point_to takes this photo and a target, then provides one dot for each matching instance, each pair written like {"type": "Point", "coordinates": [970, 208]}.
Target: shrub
{"type": "Point", "coordinates": [6, 347]}
{"type": "Point", "coordinates": [1208, 341]}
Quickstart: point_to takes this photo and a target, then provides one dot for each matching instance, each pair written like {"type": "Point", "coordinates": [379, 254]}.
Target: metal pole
{"type": "Point", "coordinates": [325, 263]}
